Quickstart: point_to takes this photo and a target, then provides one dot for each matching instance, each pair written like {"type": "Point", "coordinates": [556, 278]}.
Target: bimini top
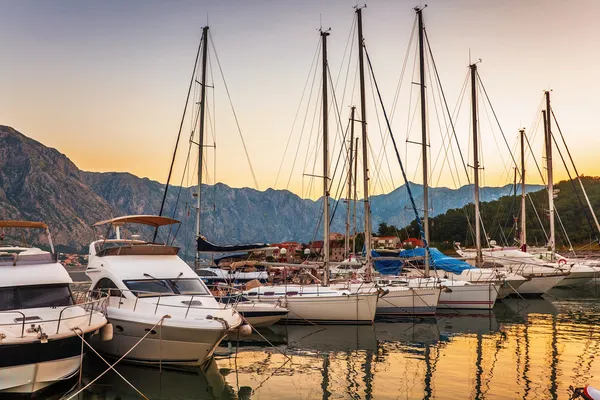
{"type": "Point", "coordinates": [23, 224]}
{"type": "Point", "coordinates": [152, 220]}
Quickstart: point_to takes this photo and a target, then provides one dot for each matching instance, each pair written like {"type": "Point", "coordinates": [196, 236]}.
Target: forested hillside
{"type": "Point", "coordinates": [500, 218]}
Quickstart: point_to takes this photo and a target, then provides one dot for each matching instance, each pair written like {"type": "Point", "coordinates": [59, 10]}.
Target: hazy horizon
{"type": "Point", "coordinates": [105, 83]}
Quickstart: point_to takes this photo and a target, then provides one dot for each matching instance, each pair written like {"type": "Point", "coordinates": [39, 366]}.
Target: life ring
{"type": "Point", "coordinates": [562, 261]}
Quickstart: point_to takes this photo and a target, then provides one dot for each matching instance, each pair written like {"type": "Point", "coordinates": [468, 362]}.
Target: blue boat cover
{"type": "Point", "coordinates": [386, 267]}
{"type": "Point", "coordinates": [439, 259]}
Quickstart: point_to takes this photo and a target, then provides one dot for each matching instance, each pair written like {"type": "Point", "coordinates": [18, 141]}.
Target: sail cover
{"type": "Point", "coordinates": [387, 266]}
{"type": "Point", "coordinates": [204, 246]}
{"type": "Point", "coordinates": [439, 259]}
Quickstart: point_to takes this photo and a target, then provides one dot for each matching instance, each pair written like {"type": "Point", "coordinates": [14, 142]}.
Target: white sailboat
{"type": "Point", "coordinates": [316, 303]}
{"type": "Point", "coordinates": [40, 321]}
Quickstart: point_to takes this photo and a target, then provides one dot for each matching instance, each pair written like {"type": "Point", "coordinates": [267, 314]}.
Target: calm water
{"type": "Point", "coordinates": [531, 349]}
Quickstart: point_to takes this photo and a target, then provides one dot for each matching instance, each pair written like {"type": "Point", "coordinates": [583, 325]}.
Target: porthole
{"type": "Point", "coordinates": [119, 328]}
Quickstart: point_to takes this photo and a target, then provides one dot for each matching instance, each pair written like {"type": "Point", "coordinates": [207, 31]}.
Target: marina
{"type": "Point", "coordinates": [531, 349]}
{"type": "Point", "coordinates": [398, 253]}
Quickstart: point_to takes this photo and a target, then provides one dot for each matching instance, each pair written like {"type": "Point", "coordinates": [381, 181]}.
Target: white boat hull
{"type": "Point", "coordinates": [170, 345]}
{"type": "Point", "coordinates": [576, 278]}
{"type": "Point", "coordinates": [31, 378]}
{"type": "Point", "coordinates": [539, 285]}
{"type": "Point", "coordinates": [342, 309]}
{"type": "Point", "coordinates": [414, 301]}
{"type": "Point", "coordinates": [475, 296]}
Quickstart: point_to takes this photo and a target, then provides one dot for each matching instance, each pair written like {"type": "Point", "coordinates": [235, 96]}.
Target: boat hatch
{"type": "Point", "coordinates": [192, 303]}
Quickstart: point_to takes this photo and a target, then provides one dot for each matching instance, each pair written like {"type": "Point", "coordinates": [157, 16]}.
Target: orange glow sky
{"type": "Point", "coordinates": [104, 82]}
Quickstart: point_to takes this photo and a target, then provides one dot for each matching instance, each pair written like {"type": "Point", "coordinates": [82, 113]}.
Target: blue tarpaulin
{"type": "Point", "coordinates": [386, 267]}
{"type": "Point", "coordinates": [439, 259]}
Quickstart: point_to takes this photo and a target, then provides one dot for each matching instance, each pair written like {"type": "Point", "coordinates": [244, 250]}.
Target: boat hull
{"type": "Point", "coordinates": [29, 368]}
{"type": "Point", "coordinates": [178, 345]}
{"type": "Point", "coordinates": [538, 285]}
{"type": "Point", "coordinates": [351, 309]}
{"type": "Point", "coordinates": [576, 278]}
{"type": "Point", "coordinates": [422, 301]}
{"type": "Point", "coordinates": [263, 319]}
{"type": "Point", "coordinates": [474, 297]}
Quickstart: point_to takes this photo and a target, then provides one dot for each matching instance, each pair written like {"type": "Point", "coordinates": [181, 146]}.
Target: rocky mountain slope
{"type": "Point", "coordinates": [40, 183]}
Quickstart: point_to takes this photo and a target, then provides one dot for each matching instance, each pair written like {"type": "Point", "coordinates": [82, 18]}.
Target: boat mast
{"type": "Point", "coordinates": [349, 195]}
{"type": "Point", "coordinates": [479, 257]}
{"type": "Point", "coordinates": [548, 136]}
{"type": "Point", "coordinates": [424, 139]}
{"type": "Point", "coordinates": [523, 236]}
{"type": "Point", "coordinates": [325, 165]}
{"type": "Point", "coordinates": [363, 117]}
{"type": "Point", "coordinates": [355, 196]}
{"type": "Point", "coordinates": [201, 137]}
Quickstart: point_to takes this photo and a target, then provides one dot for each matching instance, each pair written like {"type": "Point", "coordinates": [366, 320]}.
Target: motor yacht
{"type": "Point", "coordinates": [40, 320]}
{"type": "Point", "coordinates": [160, 309]}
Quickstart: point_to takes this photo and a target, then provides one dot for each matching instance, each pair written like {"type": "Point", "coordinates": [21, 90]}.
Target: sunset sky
{"type": "Point", "coordinates": [105, 82]}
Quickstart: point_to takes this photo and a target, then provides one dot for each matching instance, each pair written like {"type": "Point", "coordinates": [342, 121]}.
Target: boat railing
{"type": "Point", "coordinates": [95, 305]}
{"type": "Point", "coordinates": [112, 293]}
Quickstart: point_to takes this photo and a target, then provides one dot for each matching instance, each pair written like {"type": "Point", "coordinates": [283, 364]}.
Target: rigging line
{"type": "Point", "coordinates": [403, 71]}
{"type": "Point", "coordinates": [587, 217]}
{"type": "Point", "coordinates": [313, 63]}
{"type": "Point", "coordinates": [537, 216]}
{"type": "Point", "coordinates": [162, 204]}
{"type": "Point", "coordinates": [564, 231]}
{"type": "Point", "coordinates": [445, 148]}
{"type": "Point", "coordinates": [497, 121]}
{"type": "Point", "coordinates": [234, 113]}
{"type": "Point", "coordinates": [576, 174]}
{"type": "Point", "coordinates": [383, 152]}
{"type": "Point", "coordinates": [398, 88]}
{"type": "Point", "coordinates": [412, 200]}
{"type": "Point", "coordinates": [445, 102]}
{"type": "Point", "coordinates": [339, 128]}
{"type": "Point", "coordinates": [535, 160]}
{"type": "Point", "coordinates": [311, 129]}
{"type": "Point", "coordinates": [456, 113]}
{"type": "Point", "coordinates": [186, 166]}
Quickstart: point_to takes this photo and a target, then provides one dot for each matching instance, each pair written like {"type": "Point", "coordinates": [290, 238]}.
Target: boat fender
{"type": "Point", "coordinates": [245, 330]}
{"type": "Point", "coordinates": [586, 393]}
{"type": "Point", "coordinates": [106, 333]}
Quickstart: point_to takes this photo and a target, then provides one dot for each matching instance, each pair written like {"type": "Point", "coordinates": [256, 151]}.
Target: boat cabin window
{"type": "Point", "coordinates": [35, 296]}
{"type": "Point", "coordinates": [205, 273]}
{"type": "Point", "coordinates": [105, 284]}
{"type": "Point", "coordinates": [188, 286]}
{"type": "Point", "coordinates": [157, 287]}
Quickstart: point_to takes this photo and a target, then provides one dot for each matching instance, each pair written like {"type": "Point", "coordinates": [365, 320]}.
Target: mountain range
{"type": "Point", "coordinates": [40, 183]}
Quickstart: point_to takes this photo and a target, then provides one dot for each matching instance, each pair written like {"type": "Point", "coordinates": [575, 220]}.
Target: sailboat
{"type": "Point", "coordinates": [321, 303]}
{"type": "Point", "coordinates": [543, 274]}
{"type": "Point", "coordinates": [399, 299]}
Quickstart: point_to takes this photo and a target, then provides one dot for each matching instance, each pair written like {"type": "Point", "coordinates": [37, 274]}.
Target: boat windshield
{"type": "Point", "coordinates": [157, 287]}
{"type": "Point", "coordinates": [35, 296]}
{"type": "Point", "coordinates": [188, 286]}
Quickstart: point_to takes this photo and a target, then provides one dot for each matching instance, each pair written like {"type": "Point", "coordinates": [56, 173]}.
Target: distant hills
{"type": "Point", "coordinates": [499, 217]}
{"type": "Point", "coordinates": [40, 183]}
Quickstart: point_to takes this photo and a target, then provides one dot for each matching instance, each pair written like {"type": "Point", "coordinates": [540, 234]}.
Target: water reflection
{"type": "Point", "coordinates": [524, 349]}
